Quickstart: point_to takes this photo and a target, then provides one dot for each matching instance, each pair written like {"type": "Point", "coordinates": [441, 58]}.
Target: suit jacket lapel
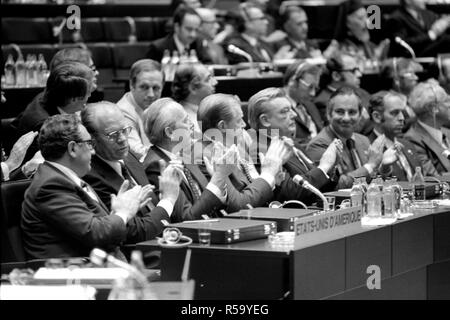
{"type": "Point", "coordinates": [197, 175]}
{"type": "Point", "coordinates": [434, 146]}
{"type": "Point", "coordinates": [314, 113]}
{"type": "Point", "coordinates": [107, 172]}
{"type": "Point", "coordinates": [136, 170]}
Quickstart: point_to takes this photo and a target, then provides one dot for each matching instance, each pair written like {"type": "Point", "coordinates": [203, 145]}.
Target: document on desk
{"type": "Point", "coordinates": [75, 292]}
{"type": "Point", "coordinates": [79, 275]}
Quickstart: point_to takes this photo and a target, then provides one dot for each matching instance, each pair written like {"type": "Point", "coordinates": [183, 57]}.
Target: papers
{"type": "Point", "coordinates": [79, 275]}
{"type": "Point", "coordinates": [374, 222]}
{"type": "Point", "coordinates": [15, 292]}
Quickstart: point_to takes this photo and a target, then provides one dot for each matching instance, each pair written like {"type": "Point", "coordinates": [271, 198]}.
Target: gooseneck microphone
{"type": "Point", "coordinates": [100, 257]}
{"type": "Point", "coordinates": [299, 180]}
{"type": "Point", "coordinates": [405, 45]}
{"type": "Point", "coordinates": [233, 49]}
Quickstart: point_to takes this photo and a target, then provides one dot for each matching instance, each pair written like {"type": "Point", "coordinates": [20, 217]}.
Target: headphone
{"type": "Point", "coordinates": [396, 76]}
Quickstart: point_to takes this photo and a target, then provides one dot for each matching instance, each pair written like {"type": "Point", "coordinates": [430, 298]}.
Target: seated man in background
{"type": "Point", "coordinates": [359, 157]}
{"type": "Point", "coordinates": [146, 85]}
{"type": "Point", "coordinates": [426, 32]}
{"type": "Point", "coordinates": [431, 133]}
{"type": "Point", "coordinates": [444, 72]}
{"type": "Point", "coordinates": [343, 69]}
{"type": "Point", "coordinates": [192, 83]}
{"type": "Point", "coordinates": [186, 23]}
{"type": "Point", "coordinates": [251, 28]}
{"type": "Point", "coordinates": [387, 112]}
{"type": "Point", "coordinates": [61, 214]}
{"type": "Point", "coordinates": [113, 163]}
{"type": "Point", "coordinates": [207, 33]}
{"type": "Point", "coordinates": [300, 82]}
{"type": "Point", "coordinates": [170, 130]}
{"type": "Point", "coordinates": [296, 45]}
{"type": "Point", "coordinates": [270, 114]}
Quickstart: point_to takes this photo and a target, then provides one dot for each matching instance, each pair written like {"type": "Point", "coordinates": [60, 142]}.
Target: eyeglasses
{"type": "Point", "coordinates": [93, 67]}
{"type": "Point", "coordinates": [310, 86]}
{"type": "Point", "coordinates": [258, 18]}
{"type": "Point", "coordinates": [90, 143]}
{"type": "Point", "coordinates": [115, 135]}
{"type": "Point", "coordinates": [353, 70]}
{"type": "Point", "coordinates": [409, 75]}
{"type": "Point", "coordinates": [209, 21]}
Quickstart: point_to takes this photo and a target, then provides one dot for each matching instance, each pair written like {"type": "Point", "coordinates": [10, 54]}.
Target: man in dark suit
{"type": "Point", "coordinates": [184, 38]}
{"type": "Point", "coordinates": [270, 114]}
{"type": "Point", "coordinates": [359, 157]}
{"type": "Point", "coordinates": [387, 112]}
{"type": "Point", "coordinates": [113, 163]}
{"type": "Point", "coordinates": [223, 127]}
{"type": "Point", "coordinates": [169, 130]}
{"type": "Point", "coordinates": [431, 133]}
{"type": "Point", "coordinates": [252, 26]}
{"type": "Point", "coordinates": [426, 32]}
{"type": "Point", "coordinates": [296, 45]}
{"type": "Point", "coordinates": [343, 69]}
{"type": "Point", "coordinates": [61, 215]}
{"type": "Point", "coordinates": [300, 82]}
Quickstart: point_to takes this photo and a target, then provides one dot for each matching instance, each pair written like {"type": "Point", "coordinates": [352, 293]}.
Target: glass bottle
{"type": "Point", "coordinates": [388, 199]}
{"type": "Point", "coordinates": [418, 186]}
{"type": "Point", "coordinates": [374, 200]}
{"type": "Point", "coordinates": [21, 71]}
{"type": "Point", "coordinates": [10, 77]}
{"type": "Point", "coordinates": [397, 193]}
{"type": "Point", "coordinates": [42, 71]}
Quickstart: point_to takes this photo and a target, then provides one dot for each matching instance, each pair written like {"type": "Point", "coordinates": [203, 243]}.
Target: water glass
{"type": "Point", "coordinates": [204, 236]}
{"type": "Point", "coordinates": [331, 203]}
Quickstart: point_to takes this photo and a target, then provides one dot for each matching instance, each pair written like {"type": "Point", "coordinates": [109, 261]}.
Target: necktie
{"type": "Point", "coordinates": [263, 53]}
{"type": "Point", "coordinates": [88, 189]}
{"type": "Point", "coordinates": [405, 164]}
{"type": "Point", "coordinates": [244, 167]}
{"type": "Point", "coordinates": [126, 175]}
{"type": "Point", "coordinates": [302, 158]}
{"type": "Point", "coordinates": [353, 154]}
{"type": "Point", "coordinates": [195, 189]}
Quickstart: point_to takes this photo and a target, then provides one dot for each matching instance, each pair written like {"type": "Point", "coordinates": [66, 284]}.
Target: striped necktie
{"type": "Point", "coordinates": [245, 168]}
{"type": "Point", "coordinates": [195, 189]}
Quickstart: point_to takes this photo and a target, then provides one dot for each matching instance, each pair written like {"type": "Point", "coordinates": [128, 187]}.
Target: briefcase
{"type": "Point", "coordinates": [285, 218]}
{"type": "Point", "coordinates": [224, 231]}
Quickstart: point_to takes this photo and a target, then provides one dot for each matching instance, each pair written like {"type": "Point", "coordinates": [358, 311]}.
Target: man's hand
{"type": "Point", "coordinates": [30, 167]}
{"type": "Point", "coordinates": [19, 150]}
{"type": "Point", "coordinates": [127, 202]}
{"type": "Point", "coordinates": [169, 183]}
{"type": "Point", "coordinates": [272, 161]}
{"type": "Point", "coordinates": [331, 155]}
{"type": "Point", "coordinates": [440, 25]}
{"type": "Point", "coordinates": [144, 196]}
{"type": "Point", "coordinates": [375, 152]}
{"type": "Point", "coordinates": [389, 156]}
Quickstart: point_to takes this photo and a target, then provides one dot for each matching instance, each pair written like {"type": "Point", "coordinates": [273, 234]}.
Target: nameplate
{"type": "Point", "coordinates": [327, 221]}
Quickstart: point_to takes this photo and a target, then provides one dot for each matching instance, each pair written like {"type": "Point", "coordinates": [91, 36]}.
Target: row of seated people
{"type": "Point", "coordinates": [197, 29]}
{"type": "Point", "coordinates": [63, 215]}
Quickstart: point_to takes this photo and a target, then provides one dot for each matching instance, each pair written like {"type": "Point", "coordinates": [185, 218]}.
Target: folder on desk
{"type": "Point", "coordinates": [285, 218]}
{"type": "Point", "coordinates": [225, 230]}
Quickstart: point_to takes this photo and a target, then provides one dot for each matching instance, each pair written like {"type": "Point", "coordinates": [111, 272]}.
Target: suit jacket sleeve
{"type": "Point", "coordinates": [146, 226]}
{"type": "Point", "coordinates": [66, 211]}
{"type": "Point", "coordinates": [257, 194]}
{"type": "Point", "coordinates": [424, 157]}
{"type": "Point", "coordinates": [154, 52]}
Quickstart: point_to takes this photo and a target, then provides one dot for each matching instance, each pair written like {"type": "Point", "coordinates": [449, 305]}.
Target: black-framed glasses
{"type": "Point", "coordinates": [90, 143]}
{"type": "Point", "coordinates": [258, 18]}
{"type": "Point", "coordinates": [115, 135]}
{"type": "Point", "coordinates": [308, 85]}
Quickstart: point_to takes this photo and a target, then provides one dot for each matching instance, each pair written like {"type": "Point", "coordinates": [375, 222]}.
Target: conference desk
{"type": "Point", "coordinates": [413, 256]}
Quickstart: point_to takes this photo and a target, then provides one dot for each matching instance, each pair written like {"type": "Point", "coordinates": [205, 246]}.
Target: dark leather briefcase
{"type": "Point", "coordinates": [224, 231]}
{"type": "Point", "coordinates": [285, 218]}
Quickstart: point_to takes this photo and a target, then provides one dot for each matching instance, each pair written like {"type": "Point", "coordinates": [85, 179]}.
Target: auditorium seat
{"type": "Point", "coordinates": [26, 30]}
{"type": "Point", "coordinates": [125, 54]}
{"type": "Point", "coordinates": [148, 29]}
{"type": "Point", "coordinates": [12, 195]}
{"type": "Point", "coordinates": [91, 30]}
{"type": "Point", "coordinates": [119, 29]}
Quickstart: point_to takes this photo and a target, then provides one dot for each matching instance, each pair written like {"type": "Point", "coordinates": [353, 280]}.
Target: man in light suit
{"type": "Point", "coordinates": [113, 163]}
{"type": "Point", "coordinates": [61, 215]}
{"type": "Point", "coordinates": [387, 109]}
{"type": "Point", "coordinates": [359, 157]}
{"type": "Point", "coordinates": [431, 133]}
{"type": "Point", "coordinates": [146, 85]}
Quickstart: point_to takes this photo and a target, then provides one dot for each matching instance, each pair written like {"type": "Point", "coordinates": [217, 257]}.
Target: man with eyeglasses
{"type": "Point", "coordinates": [113, 163]}
{"type": "Point", "coordinates": [207, 32]}
{"type": "Point", "coordinates": [343, 69]}
{"type": "Point", "coordinates": [431, 133]}
{"type": "Point", "coordinates": [300, 83]}
{"type": "Point", "coordinates": [251, 28]}
{"type": "Point", "coordinates": [62, 216]}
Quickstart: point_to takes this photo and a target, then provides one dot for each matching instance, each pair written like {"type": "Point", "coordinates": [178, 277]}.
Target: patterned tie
{"type": "Point", "coordinates": [405, 164]}
{"type": "Point", "coordinates": [126, 175]}
{"type": "Point", "coordinates": [88, 189]}
{"type": "Point", "coordinates": [245, 168]}
{"type": "Point", "coordinates": [353, 154]}
{"type": "Point", "coordinates": [195, 189]}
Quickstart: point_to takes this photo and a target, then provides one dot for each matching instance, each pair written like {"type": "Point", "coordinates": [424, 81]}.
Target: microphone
{"type": "Point", "coordinates": [405, 45]}
{"type": "Point", "coordinates": [100, 257]}
{"type": "Point", "coordinates": [299, 180]}
{"type": "Point", "coordinates": [446, 153]}
{"type": "Point", "coordinates": [233, 49]}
